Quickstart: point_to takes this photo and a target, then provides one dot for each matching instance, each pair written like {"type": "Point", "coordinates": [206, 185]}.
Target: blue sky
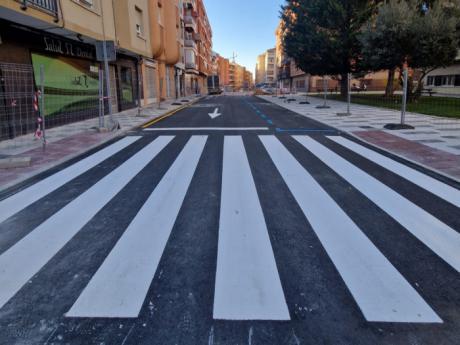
{"type": "Point", "coordinates": [246, 27]}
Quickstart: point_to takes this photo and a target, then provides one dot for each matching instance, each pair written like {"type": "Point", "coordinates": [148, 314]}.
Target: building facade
{"type": "Point", "coordinates": [266, 68]}
{"type": "Point", "coordinates": [445, 81]}
{"type": "Point", "coordinates": [198, 47]}
{"type": "Point", "coordinates": [260, 69]}
{"type": "Point", "coordinates": [150, 64]}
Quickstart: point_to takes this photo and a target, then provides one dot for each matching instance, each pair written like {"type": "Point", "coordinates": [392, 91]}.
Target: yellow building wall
{"type": "Point", "coordinates": [125, 26]}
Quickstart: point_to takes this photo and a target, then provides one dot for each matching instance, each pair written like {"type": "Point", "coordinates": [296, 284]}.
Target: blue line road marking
{"type": "Point", "coordinates": [261, 114]}
{"type": "Point", "coordinates": [306, 130]}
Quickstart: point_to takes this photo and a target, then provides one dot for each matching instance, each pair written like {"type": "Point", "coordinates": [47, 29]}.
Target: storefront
{"type": "Point", "coordinates": [68, 69]}
{"type": "Point", "coordinates": [70, 75]}
{"type": "Point", "coordinates": [126, 81]}
{"type": "Point", "coordinates": [150, 74]}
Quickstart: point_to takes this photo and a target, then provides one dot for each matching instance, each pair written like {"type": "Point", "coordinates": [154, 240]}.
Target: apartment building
{"type": "Point", "coordinates": [266, 72]}
{"type": "Point", "coordinates": [248, 80]}
{"type": "Point", "coordinates": [198, 47]}
{"type": "Point", "coordinates": [165, 29]}
{"type": "Point", "coordinates": [260, 69]}
{"type": "Point", "coordinates": [223, 70]}
{"type": "Point", "coordinates": [231, 77]}
{"type": "Point", "coordinates": [150, 63]}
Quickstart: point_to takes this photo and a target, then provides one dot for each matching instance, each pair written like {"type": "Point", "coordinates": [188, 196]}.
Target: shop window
{"type": "Point", "coordinates": [150, 82]}
{"type": "Point", "coordinates": [126, 85]}
{"type": "Point", "coordinates": [168, 81]}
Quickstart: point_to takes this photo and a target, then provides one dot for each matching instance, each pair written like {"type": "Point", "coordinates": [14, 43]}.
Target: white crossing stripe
{"type": "Point", "coordinates": [248, 286]}
{"type": "Point", "coordinates": [436, 235]}
{"type": "Point", "coordinates": [432, 185]}
{"type": "Point", "coordinates": [381, 292]}
{"type": "Point", "coordinates": [23, 260]}
{"type": "Point", "coordinates": [28, 196]}
{"type": "Point", "coordinates": [154, 129]}
{"type": "Point", "coordinates": [119, 287]}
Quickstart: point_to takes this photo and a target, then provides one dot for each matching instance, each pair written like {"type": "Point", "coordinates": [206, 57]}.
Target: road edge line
{"type": "Point", "coordinates": [168, 114]}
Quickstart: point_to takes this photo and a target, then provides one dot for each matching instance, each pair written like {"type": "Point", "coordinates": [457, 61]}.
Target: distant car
{"type": "Point", "coordinates": [268, 90]}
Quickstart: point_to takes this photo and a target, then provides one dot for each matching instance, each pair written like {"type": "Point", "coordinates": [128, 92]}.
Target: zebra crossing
{"type": "Point", "coordinates": [248, 285]}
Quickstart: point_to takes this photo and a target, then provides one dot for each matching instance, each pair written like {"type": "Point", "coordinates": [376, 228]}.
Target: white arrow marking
{"type": "Point", "coordinates": [215, 113]}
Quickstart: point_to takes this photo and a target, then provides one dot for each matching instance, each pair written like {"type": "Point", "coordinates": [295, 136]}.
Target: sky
{"type": "Point", "coordinates": [246, 27]}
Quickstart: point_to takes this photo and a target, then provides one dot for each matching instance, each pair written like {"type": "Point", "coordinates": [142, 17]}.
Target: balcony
{"type": "Point", "coordinates": [190, 23]}
{"type": "Point", "coordinates": [190, 4]}
{"type": "Point", "coordinates": [191, 67]}
{"type": "Point", "coordinates": [49, 6]}
{"type": "Point", "coordinates": [197, 37]}
{"type": "Point", "coordinates": [190, 43]}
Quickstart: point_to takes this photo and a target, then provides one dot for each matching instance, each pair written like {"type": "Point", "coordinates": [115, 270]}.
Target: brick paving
{"type": "Point", "coordinates": [439, 160]}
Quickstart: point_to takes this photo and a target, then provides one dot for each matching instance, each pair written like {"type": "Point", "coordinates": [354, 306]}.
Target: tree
{"type": "Point", "coordinates": [322, 35]}
{"type": "Point", "coordinates": [420, 35]}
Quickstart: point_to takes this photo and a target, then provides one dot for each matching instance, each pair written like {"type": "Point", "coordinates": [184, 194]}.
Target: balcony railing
{"type": "Point", "coordinates": [49, 6]}
{"type": "Point", "coordinates": [191, 65]}
{"type": "Point", "coordinates": [190, 23]}
{"type": "Point", "coordinates": [190, 43]}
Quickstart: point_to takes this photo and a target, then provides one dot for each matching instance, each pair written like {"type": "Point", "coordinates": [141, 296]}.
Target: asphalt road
{"type": "Point", "coordinates": [258, 226]}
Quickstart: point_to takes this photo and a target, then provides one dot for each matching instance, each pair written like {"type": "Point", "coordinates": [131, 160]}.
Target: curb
{"type": "Point", "coordinates": [168, 114]}
{"type": "Point", "coordinates": [378, 148]}
{"type": "Point", "coordinates": [115, 136]}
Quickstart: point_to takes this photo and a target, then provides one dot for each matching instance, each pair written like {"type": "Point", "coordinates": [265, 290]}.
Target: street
{"type": "Point", "coordinates": [232, 221]}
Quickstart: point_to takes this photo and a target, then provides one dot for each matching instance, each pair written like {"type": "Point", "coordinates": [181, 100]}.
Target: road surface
{"type": "Point", "coordinates": [234, 221]}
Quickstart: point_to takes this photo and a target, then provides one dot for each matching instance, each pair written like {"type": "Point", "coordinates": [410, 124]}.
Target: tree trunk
{"type": "Point", "coordinates": [344, 85]}
{"type": "Point", "coordinates": [390, 88]}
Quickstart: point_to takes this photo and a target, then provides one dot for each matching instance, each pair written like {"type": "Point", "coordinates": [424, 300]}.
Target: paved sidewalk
{"type": "Point", "coordinates": [434, 143]}
{"type": "Point", "coordinates": [69, 141]}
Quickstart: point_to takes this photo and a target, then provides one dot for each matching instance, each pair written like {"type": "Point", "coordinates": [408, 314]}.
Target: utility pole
{"type": "Point", "coordinates": [106, 67]}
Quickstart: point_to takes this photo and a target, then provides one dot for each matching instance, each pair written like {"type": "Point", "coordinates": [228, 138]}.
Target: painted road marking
{"type": "Point", "coordinates": [28, 196]}
{"type": "Point", "coordinates": [381, 292]}
{"type": "Point", "coordinates": [428, 183]}
{"type": "Point", "coordinates": [306, 130]}
{"type": "Point", "coordinates": [214, 114]}
{"type": "Point", "coordinates": [119, 287]}
{"type": "Point", "coordinates": [248, 286]}
{"type": "Point", "coordinates": [23, 260]}
{"type": "Point", "coordinates": [436, 235]}
{"type": "Point", "coordinates": [207, 129]}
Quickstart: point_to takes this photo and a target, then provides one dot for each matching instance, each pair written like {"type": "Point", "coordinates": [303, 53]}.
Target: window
{"type": "Point", "coordinates": [160, 14]}
{"type": "Point", "coordinates": [438, 80]}
{"type": "Point", "coordinates": [444, 80]}
{"type": "Point", "coordinates": [139, 21]}
{"type": "Point", "coordinates": [87, 2]}
{"type": "Point", "coordinates": [457, 80]}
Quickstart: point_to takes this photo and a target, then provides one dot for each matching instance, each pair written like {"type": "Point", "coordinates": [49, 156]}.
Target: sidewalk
{"type": "Point", "coordinates": [434, 143]}
{"type": "Point", "coordinates": [69, 141]}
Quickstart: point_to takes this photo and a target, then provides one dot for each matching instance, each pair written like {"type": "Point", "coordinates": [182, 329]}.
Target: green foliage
{"type": "Point", "coordinates": [436, 106]}
{"type": "Point", "coordinates": [322, 35]}
{"type": "Point", "coordinates": [402, 33]}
